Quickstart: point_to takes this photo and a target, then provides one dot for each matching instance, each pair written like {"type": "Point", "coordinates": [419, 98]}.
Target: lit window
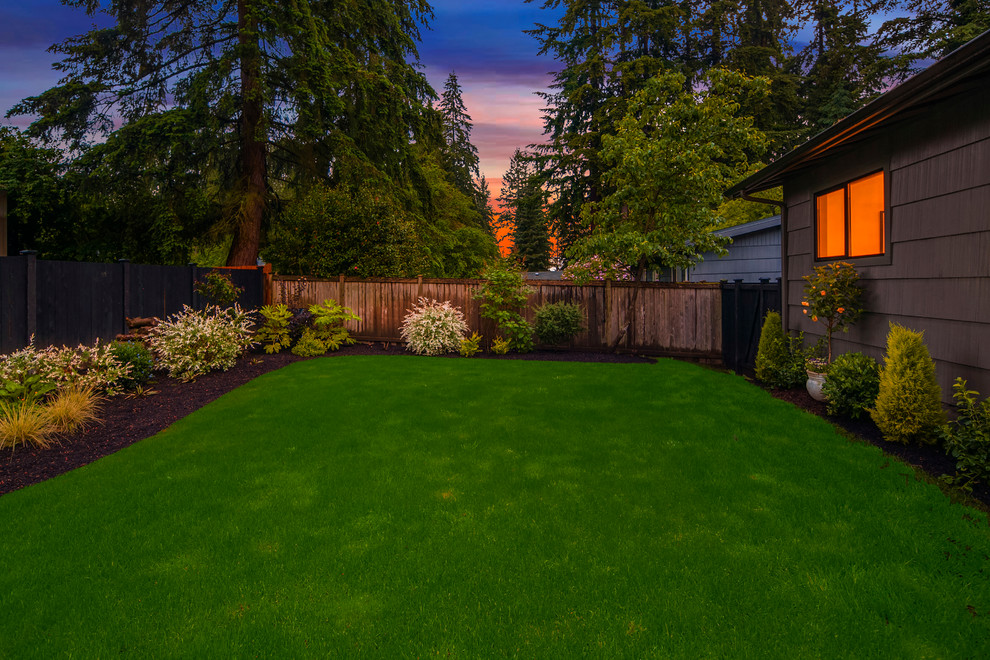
{"type": "Point", "coordinates": [849, 220]}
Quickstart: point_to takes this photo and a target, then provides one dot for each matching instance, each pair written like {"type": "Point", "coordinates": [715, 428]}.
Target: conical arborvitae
{"type": "Point", "coordinates": [909, 406]}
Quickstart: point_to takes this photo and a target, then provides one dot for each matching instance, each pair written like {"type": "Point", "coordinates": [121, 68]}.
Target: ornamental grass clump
{"type": "Point", "coordinates": [23, 423]}
{"type": "Point", "coordinates": [73, 408]}
{"type": "Point", "coordinates": [909, 402]}
{"type": "Point", "coordinates": [433, 328]}
{"type": "Point", "coordinates": [192, 343]}
{"type": "Point", "coordinates": [832, 296]}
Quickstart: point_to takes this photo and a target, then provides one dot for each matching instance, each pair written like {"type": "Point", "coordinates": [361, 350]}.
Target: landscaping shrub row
{"type": "Point", "coordinates": [901, 396]}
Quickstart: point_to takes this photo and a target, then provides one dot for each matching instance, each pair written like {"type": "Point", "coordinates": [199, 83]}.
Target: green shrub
{"type": "Point", "coordinates": [779, 360]}
{"type": "Point", "coordinates": [471, 345]}
{"type": "Point", "coordinates": [502, 295]}
{"type": "Point", "coordinates": [557, 323]}
{"type": "Point", "coordinates": [138, 358]}
{"type": "Point", "coordinates": [500, 346]}
{"type": "Point", "coordinates": [274, 334]}
{"type": "Point", "coordinates": [433, 328]}
{"type": "Point", "coordinates": [328, 323]}
{"type": "Point", "coordinates": [218, 289]}
{"type": "Point", "coordinates": [192, 343]}
{"type": "Point", "coordinates": [852, 385]}
{"type": "Point", "coordinates": [909, 403]}
{"type": "Point", "coordinates": [967, 438]}
{"type": "Point", "coordinates": [309, 345]}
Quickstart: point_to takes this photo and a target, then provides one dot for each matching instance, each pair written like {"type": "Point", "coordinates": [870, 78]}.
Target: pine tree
{"type": "Point", "coordinates": [460, 156]}
{"type": "Point", "coordinates": [283, 90]}
{"type": "Point", "coordinates": [523, 200]}
{"type": "Point", "coordinates": [932, 29]}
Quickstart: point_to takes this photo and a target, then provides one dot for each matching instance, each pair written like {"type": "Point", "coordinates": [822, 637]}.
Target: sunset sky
{"type": "Point", "coordinates": [482, 42]}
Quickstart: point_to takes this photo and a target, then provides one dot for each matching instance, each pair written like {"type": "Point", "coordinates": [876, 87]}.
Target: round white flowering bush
{"type": "Point", "coordinates": [191, 343]}
{"type": "Point", "coordinates": [433, 328]}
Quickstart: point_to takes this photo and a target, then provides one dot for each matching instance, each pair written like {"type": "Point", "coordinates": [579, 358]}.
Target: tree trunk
{"type": "Point", "coordinates": [247, 234]}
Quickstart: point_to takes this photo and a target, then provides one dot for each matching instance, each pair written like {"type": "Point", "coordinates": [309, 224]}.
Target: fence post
{"type": "Point", "coordinates": [608, 312]}
{"type": "Point", "coordinates": [192, 286]}
{"type": "Point", "coordinates": [31, 292]}
{"type": "Point", "coordinates": [125, 277]}
{"type": "Point", "coordinates": [340, 290]}
{"type": "Point", "coordinates": [737, 287]}
{"type": "Point", "coordinates": [419, 288]}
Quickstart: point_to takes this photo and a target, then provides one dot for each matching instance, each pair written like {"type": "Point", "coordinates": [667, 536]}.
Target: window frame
{"type": "Point", "coordinates": [866, 259]}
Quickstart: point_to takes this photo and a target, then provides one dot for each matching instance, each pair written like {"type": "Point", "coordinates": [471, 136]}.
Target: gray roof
{"type": "Point", "coordinates": [939, 80]}
{"type": "Point", "coordinates": [773, 222]}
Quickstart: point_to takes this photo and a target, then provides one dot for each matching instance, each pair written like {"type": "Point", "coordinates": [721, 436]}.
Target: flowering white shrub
{"type": "Point", "coordinates": [433, 328]}
{"type": "Point", "coordinates": [191, 343]}
{"type": "Point", "coordinates": [93, 367]}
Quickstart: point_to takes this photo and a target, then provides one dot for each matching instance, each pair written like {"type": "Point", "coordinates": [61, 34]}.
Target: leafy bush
{"type": "Point", "coordinates": [433, 328]}
{"type": "Point", "coordinates": [139, 360]}
{"type": "Point", "coordinates": [274, 334]}
{"type": "Point", "coordinates": [779, 360]}
{"type": "Point", "coordinates": [22, 423]}
{"type": "Point", "coordinates": [218, 288]}
{"type": "Point", "coordinates": [502, 295]}
{"type": "Point", "coordinates": [967, 438]}
{"type": "Point", "coordinates": [73, 408]}
{"type": "Point", "coordinates": [852, 385]}
{"type": "Point", "coordinates": [557, 323]}
{"type": "Point", "coordinates": [500, 346]}
{"type": "Point", "coordinates": [309, 345]}
{"type": "Point", "coordinates": [192, 343]}
{"type": "Point", "coordinates": [29, 389]}
{"type": "Point", "coordinates": [471, 345]}
{"type": "Point", "coordinates": [328, 324]}
{"type": "Point", "coordinates": [909, 401]}
{"type": "Point", "coordinates": [86, 366]}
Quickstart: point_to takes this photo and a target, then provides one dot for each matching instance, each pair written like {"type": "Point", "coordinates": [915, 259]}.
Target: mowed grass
{"type": "Point", "coordinates": [417, 507]}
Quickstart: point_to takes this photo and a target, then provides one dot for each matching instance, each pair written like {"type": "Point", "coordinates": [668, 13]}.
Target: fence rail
{"type": "Point", "coordinates": [68, 302]}
{"type": "Point", "coordinates": [683, 319]}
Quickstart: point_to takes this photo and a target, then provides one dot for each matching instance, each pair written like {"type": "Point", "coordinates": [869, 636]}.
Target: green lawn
{"type": "Point", "coordinates": [415, 507]}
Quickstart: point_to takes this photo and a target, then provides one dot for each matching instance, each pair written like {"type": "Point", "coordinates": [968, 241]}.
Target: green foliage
{"type": "Point", "coordinates": [218, 289]}
{"type": "Point", "coordinates": [274, 334]}
{"type": "Point", "coordinates": [558, 323]}
{"type": "Point", "coordinates": [503, 294]}
{"type": "Point", "coordinates": [30, 389]}
{"type": "Point", "coordinates": [459, 156]}
{"type": "Point", "coordinates": [471, 346]}
{"type": "Point", "coordinates": [192, 343]}
{"type": "Point", "coordinates": [433, 328]}
{"type": "Point", "coordinates": [523, 202]}
{"type": "Point", "coordinates": [139, 360]}
{"type": "Point", "coordinates": [674, 153]}
{"type": "Point", "coordinates": [328, 323]}
{"type": "Point", "coordinates": [309, 345]}
{"type": "Point", "coordinates": [832, 296]}
{"type": "Point", "coordinates": [500, 346]}
{"type": "Point", "coordinates": [852, 385]}
{"type": "Point", "coordinates": [779, 359]}
{"type": "Point", "coordinates": [908, 406]}
{"type": "Point", "coordinates": [967, 437]}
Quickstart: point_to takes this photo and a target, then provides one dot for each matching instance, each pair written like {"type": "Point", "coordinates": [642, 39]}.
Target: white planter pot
{"type": "Point", "coordinates": [814, 385]}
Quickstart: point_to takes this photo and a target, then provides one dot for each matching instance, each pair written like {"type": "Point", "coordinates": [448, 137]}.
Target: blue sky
{"type": "Point", "coordinates": [482, 41]}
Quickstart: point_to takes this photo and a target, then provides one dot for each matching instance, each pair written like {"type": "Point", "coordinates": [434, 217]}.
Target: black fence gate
{"type": "Point", "coordinates": [69, 302]}
{"type": "Point", "coordinates": [744, 307]}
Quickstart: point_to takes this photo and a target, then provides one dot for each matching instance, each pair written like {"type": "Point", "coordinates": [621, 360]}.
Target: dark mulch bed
{"type": "Point", "coordinates": [125, 421]}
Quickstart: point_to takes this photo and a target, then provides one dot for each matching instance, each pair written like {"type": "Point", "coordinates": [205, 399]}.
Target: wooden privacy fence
{"type": "Point", "coordinates": [69, 302]}
{"type": "Point", "coordinates": [681, 320]}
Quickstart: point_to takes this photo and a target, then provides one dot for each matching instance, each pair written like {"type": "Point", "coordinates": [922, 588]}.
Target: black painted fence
{"type": "Point", "coordinates": [70, 303]}
{"type": "Point", "coordinates": [744, 306]}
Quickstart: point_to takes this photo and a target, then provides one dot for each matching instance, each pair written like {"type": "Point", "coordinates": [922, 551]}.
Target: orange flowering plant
{"type": "Point", "coordinates": [833, 297]}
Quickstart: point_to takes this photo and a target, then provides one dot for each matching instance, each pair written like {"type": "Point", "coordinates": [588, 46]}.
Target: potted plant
{"type": "Point", "coordinates": [832, 297]}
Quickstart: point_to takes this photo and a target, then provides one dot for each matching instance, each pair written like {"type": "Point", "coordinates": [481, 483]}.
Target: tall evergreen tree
{"type": "Point", "coordinates": [460, 156]}
{"type": "Point", "coordinates": [933, 28]}
{"type": "Point", "coordinates": [294, 89]}
{"type": "Point", "coordinates": [523, 200]}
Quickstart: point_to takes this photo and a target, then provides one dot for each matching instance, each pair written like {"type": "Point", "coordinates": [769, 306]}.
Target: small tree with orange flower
{"type": "Point", "coordinates": [832, 296]}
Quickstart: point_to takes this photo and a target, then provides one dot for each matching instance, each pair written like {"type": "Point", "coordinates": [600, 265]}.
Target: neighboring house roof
{"type": "Point", "coordinates": [939, 80]}
{"type": "Point", "coordinates": [773, 222]}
